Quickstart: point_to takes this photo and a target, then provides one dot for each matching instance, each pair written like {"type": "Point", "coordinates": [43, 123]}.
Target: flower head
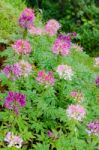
{"type": "Point", "coordinates": [13, 140]}
{"type": "Point", "coordinates": [45, 78]}
{"type": "Point", "coordinates": [97, 81]}
{"type": "Point", "coordinates": [52, 27]}
{"type": "Point", "coordinates": [65, 72]}
{"type": "Point", "coordinates": [76, 112]}
{"type": "Point", "coordinates": [26, 18]}
{"type": "Point", "coordinates": [12, 71]}
{"type": "Point", "coordinates": [97, 61]}
{"type": "Point", "coordinates": [22, 47]}
{"type": "Point", "coordinates": [25, 68]}
{"type": "Point", "coordinates": [62, 45]}
{"type": "Point", "coordinates": [93, 128]}
{"type": "Point", "coordinates": [15, 100]}
{"type": "Point", "coordinates": [36, 31]}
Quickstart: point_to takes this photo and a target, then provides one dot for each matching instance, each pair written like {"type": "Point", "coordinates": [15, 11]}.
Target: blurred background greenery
{"type": "Point", "coordinates": [81, 16]}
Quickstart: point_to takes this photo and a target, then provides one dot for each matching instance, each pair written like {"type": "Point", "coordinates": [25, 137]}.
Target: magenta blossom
{"type": "Point", "coordinates": [45, 78]}
{"type": "Point", "coordinates": [93, 128]}
{"type": "Point", "coordinates": [15, 100]}
{"type": "Point", "coordinates": [22, 47]}
{"type": "Point", "coordinates": [52, 27]}
{"type": "Point", "coordinates": [62, 45]}
{"type": "Point", "coordinates": [76, 112]}
{"type": "Point", "coordinates": [26, 18]}
{"type": "Point", "coordinates": [13, 140]}
{"type": "Point", "coordinates": [97, 81]}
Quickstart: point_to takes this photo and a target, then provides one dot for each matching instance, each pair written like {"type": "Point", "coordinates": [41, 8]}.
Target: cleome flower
{"type": "Point", "coordinates": [65, 72]}
{"type": "Point", "coordinates": [51, 27]}
{"type": "Point", "coordinates": [62, 45]}
{"type": "Point", "coordinates": [15, 100]}
{"type": "Point", "coordinates": [26, 18]}
{"type": "Point", "coordinates": [20, 69]}
{"type": "Point", "coordinates": [97, 61]}
{"type": "Point", "coordinates": [76, 112]}
{"type": "Point", "coordinates": [12, 71]}
{"type": "Point", "coordinates": [45, 78]}
{"type": "Point", "coordinates": [22, 47]}
{"type": "Point", "coordinates": [13, 140]}
{"type": "Point", "coordinates": [25, 68]}
{"type": "Point", "coordinates": [93, 128]}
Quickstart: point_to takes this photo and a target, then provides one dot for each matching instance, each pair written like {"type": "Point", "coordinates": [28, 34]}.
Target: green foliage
{"type": "Point", "coordinates": [9, 12]}
{"type": "Point", "coordinates": [46, 105]}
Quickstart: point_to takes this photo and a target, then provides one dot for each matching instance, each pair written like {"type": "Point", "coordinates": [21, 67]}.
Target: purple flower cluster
{"type": "Point", "coordinates": [11, 71]}
{"type": "Point", "coordinates": [97, 81]}
{"type": "Point", "coordinates": [15, 100]}
{"type": "Point", "coordinates": [93, 128]}
{"type": "Point", "coordinates": [26, 18]}
{"type": "Point", "coordinates": [62, 45]}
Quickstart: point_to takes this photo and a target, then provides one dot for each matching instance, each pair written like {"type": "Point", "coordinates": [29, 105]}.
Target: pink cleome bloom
{"type": "Point", "coordinates": [25, 68]}
{"type": "Point", "coordinates": [15, 100]}
{"type": "Point", "coordinates": [52, 27]}
{"type": "Point", "coordinates": [76, 112]}
{"type": "Point", "coordinates": [13, 140]}
{"type": "Point", "coordinates": [93, 128]}
{"type": "Point", "coordinates": [36, 31]}
{"type": "Point", "coordinates": [65, 72]}
{"type": "Point", "coordinates": [77, 95]}
{"type": "Point", "coordinates": [62, 45]}
{"type": "Point", "coordinates": [97, 61]}
{"type": "Point", "coordinates": [45, 78]}
{"type": "Point", "coordinates": [26, 18]}
{"type": "Point", "coordinates": [22, 47]}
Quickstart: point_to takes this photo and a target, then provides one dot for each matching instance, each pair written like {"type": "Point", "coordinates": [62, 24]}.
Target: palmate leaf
{"type": "Point", "coordinates": [41, 146]}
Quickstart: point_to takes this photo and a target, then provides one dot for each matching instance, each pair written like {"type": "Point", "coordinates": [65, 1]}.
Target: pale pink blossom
{"type": "Point", "coordinates": [65, 72]}
{"type": "Point", "coordinates": [25, 68]}
{"type": "Point", "coordinates": [52, 27]}
{"type": "Point", "coordinates": [76, 112]}
{"type": "Point", "coordinates": [45, 78]}
{"type": "Point", "coordinates": [22, 47]}
{"type": "Point", "coordinates": [97, 61]}
{"type": "Point", "coordinates": [77, 47]}
{"type": "Point", "coordinates": [13, 140]}
{"type": "Point", "coordinates": [62, 45]}
{"type": "Point", "coordinates": [36, 31]}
